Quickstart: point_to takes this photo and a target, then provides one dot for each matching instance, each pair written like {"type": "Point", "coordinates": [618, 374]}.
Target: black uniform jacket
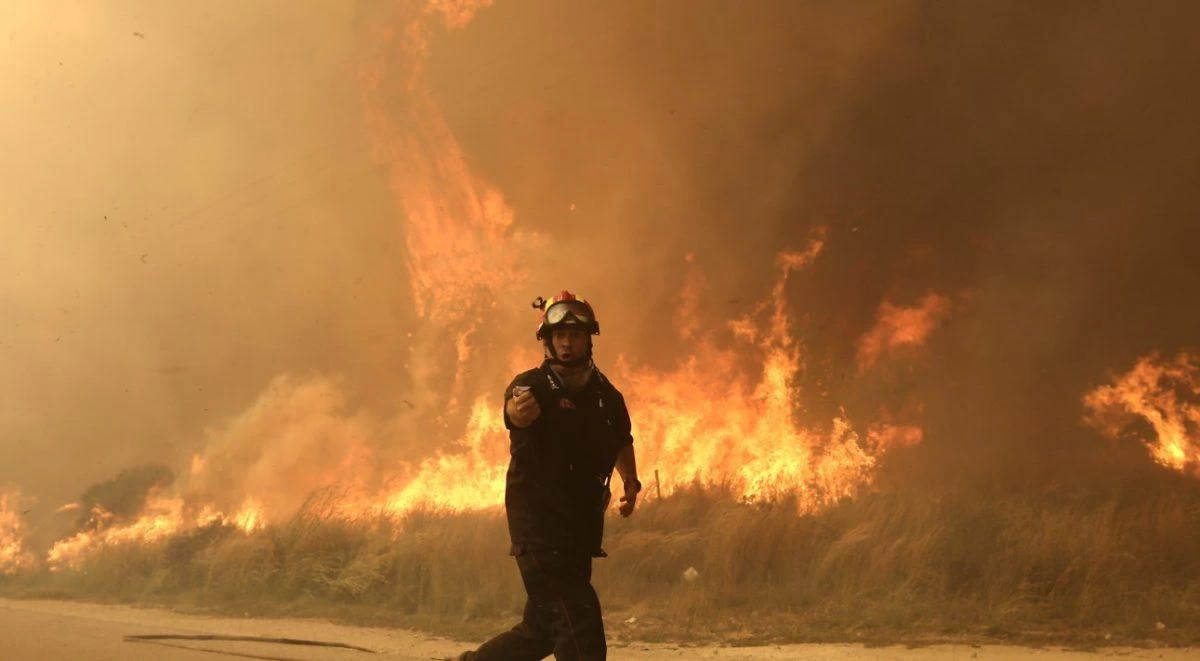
{"type": "Point", "coordinates": [556, 490]}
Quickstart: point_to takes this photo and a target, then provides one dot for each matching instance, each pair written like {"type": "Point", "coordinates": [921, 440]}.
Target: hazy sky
{"type": "Point", "coordinates": [188, 209]}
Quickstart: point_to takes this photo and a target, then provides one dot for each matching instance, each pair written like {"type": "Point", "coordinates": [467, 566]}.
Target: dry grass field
{"type": "Point", "coordinates": [1057, 566]}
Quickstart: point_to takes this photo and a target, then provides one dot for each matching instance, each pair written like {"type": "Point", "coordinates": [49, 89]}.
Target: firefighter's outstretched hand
{"type": "Point", "coordinates": [628, 501]}
{"type": "Point", "coordinates": [523, 408]}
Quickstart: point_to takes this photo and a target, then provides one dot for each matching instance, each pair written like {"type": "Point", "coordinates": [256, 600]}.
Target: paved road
{"type": "Point", "coordinates": [71, 631]}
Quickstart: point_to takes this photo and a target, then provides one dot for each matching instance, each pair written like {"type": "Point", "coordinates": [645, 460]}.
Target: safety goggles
{"type": "Point", "coordinates": [567, 312]}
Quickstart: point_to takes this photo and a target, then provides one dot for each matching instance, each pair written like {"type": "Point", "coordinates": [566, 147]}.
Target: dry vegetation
{"type": "Point", "coordinates": [1064, 565]}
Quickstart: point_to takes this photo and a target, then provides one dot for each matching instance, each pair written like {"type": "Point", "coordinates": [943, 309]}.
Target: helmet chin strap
{"type": "Point", "coordinates": [585, 359]}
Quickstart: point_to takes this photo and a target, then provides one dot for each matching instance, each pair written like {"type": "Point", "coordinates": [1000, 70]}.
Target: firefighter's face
{"type": "Point", "coordinates": [569, 342]}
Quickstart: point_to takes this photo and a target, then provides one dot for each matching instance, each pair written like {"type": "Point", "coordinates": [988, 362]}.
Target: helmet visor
{"type": "Point", "coordinates": [568, 312]}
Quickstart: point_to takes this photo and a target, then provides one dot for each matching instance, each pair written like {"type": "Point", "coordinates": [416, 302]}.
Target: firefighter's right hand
{"type": "Point", "coordinates": [522, 409]}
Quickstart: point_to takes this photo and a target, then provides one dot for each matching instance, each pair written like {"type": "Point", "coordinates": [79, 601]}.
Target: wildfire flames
{"type": "Point", "coordinates": [714, 422]}
{"type": "Point", "coordinates": [473, 479]}
{"type": "Point", "coordinates": [13, 554]}
{"type": "Point", "coordinates": [726, 415]}
{"type": "Point", "coordinates": [162, 517]}
{"type": "Point", "coordinates": [1164, 396]}
{"type": "Point", "coordinates": [898, 326]}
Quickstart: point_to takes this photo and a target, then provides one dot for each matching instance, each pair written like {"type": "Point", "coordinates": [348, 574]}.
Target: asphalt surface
{"type": "Point", "coordinates": [62, 631]}
{"type": "Point", "coordinates": [72, 631]}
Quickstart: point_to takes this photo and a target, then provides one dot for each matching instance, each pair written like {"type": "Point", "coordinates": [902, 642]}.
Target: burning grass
{"type": "Point", "coordinates": [897, 565]}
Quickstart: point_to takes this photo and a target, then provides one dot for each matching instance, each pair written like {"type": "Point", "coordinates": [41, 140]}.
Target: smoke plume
{"type": "Point", "coordinates": [202, 235]}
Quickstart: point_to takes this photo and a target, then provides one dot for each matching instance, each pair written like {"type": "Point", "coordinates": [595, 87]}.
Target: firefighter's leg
{"type": "Point", "coordinates": [533, 637]}
{"type": "Point", "coordinates": [577, 626]}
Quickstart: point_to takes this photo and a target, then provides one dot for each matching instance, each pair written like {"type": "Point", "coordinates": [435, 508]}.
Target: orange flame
{"type": "Point", "coordinates": [469, 480]}
{"type": "Point", "coordinates": [161, 518]}
{"type": "Point", "coordinates": [14, 556]}
{"type": "Point", "coordinates": [250, 518]}
{"type": "Point", "coordinates": [899, 326]}
{"type": "Point", "coordinates": [710, 421]}
{"type": "Point", "coordinates": [463, 251]}
{"type": "Point", "coordinates": [457, 224]}
{"type": "Point", "coordinates": [713, 421]}
{"type": "Point", "coordinates": [686, 321]}
{"type": "Point", "coordinates": [1162, 393]}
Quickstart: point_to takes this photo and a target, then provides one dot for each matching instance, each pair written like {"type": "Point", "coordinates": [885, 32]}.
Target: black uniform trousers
{"type": "Point", "coordinates": [562, 613]}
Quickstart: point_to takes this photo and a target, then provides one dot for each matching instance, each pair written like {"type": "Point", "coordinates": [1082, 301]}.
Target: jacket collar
{"type": "Point", "coordinates": [557, 384]}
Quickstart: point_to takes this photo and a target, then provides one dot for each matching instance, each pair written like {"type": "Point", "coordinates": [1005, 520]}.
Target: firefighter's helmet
{"type": "Point", "coordinates": [565, 309]}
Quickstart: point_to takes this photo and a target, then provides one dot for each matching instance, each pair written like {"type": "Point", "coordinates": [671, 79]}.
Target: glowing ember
{"type": "Point", "coordinates": [1164, 394]}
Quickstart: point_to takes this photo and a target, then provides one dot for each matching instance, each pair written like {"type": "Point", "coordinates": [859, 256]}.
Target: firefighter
{"type": "Point", "coordinates": [569, 429]}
